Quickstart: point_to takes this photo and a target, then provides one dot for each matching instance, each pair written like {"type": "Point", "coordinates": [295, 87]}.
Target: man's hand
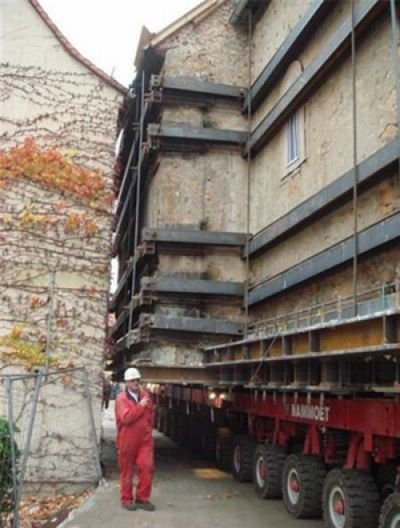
{"type": "Point", "coordinates": [144, 401]}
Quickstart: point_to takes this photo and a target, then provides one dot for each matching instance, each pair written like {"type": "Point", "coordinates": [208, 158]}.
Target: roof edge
{"type": "Point", "coordinates": [200, 11]}
{"type": "Point", "coordinates": [71, 50]}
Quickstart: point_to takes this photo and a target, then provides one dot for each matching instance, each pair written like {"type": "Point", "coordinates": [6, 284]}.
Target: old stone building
{"type": "Point", "coordinates": [58, 119]}
{"type": "Point", "coordinates": [267, 172]}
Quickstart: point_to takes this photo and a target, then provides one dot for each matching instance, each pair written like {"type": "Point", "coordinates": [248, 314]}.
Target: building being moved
{"type": "Point", "coordinates": [257, 230]}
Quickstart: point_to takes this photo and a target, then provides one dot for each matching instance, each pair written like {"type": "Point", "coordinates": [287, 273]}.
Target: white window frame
{"type": "Point", "coordinates": [293, 136]}
{"type": "Point", "coordinates": [293, 140]}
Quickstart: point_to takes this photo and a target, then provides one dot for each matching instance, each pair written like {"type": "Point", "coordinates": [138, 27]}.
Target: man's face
{"type": "Point", "coordinates": [133, 385]}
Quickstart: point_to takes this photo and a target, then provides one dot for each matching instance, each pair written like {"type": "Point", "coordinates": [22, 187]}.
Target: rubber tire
{"type": "Point", "coordinates": [273, 457]}
{"type": "Point", "coordinates": [223, 452]}
{"type": "Point", "coordinates": [311, 472]}
{"type": "Point", "coordinates": [242, 470]}
{"type": "Point", "coordinates": [389, 511]}
{"type": "Point", "coordinates": [208, 440]}
{"type": "Point", "coordinates": [386, 480]}
{"type": "Point", "coordinates": [361, 498]}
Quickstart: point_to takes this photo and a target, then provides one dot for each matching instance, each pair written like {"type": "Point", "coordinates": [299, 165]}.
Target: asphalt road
{"type": "Point", "coordinates": [187, 492]}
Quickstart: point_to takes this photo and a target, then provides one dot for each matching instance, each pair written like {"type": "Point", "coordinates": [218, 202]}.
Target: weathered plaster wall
{"type": "Point", "coordinates": [328, 130]}
{"type": "Point", "coordinates": [373, 272]}
{"type": "Point", "coordinates": [212, 50]}
{"type": "Point", "coordinates": [329, 153]}
{"type": "Point", "coordinates": [271, 30]}
{"type": "Point", "coordinates": [274, 27]}
{"type": "Point", "coordinates": [373, 205]}
{"type": "Point", "coordinates": [215, 265]}
{"type": "Point", "coordinates": [50, 96]}
{"type": "Point", "coordinates": [199, 188]}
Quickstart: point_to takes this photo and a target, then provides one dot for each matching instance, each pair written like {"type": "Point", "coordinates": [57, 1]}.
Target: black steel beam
{"type": "Point", "coordinates": [371, 350]}
{"type": "Point", "coordinates": [325, 200]}
{"type": "Point", "coordinates": [191, 324]}
{"type": "Point", "coordinates": [192, 237]}
{"type": "Point", "coordinates": [365, 14]}
{"type": "Point", "coordinates": [185, 133]}
{"type": "Point", "coordinates": [287, 52]}
{"type": "Point", "coordinates": [123, 316]}
{"type": "Point", "coordinates": [243, 8]}
{"type": "Point", "coordinates": [193, 86]}
{"type": "Point", "coordinates": [121, 283]}
{"type": "Point", "coordinates": [150, 113]}
{"type": "Point", "coordinates": [184, 286]}
{"type": "Point", "coordinates": [370, 239]}
{"type": "Point", "coordinates": [125, 225]}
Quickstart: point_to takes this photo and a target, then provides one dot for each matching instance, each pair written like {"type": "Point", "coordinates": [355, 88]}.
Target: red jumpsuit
{"type": "Point", "coordinates": [134, 445]}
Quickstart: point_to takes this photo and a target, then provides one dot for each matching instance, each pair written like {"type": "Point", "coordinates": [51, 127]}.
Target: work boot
{"type": "Point", "coordinates": [148, 506]}
{"type": "Point", "coordinates": [131, 506]}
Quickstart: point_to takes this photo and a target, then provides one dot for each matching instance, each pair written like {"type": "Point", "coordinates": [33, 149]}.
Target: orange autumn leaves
{"type": "Point", "coordinates": [55, 170]}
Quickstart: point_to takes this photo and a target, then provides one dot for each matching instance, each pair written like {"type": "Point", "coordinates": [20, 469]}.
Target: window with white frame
{"type": "Point", "coordinates": [293, 136]}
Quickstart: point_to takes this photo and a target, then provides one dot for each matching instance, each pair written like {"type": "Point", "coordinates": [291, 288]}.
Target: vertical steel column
{"type": "Point", "coordinates": [93, 425]}
{"type": "Point", "coordinates": [138, 185]}
{"type": "Point", "coordinates": [246, 290]}
{"type": "Point", "coordinates": [355, 156]}
{"type": "Point", "coordinates": [13, 453]}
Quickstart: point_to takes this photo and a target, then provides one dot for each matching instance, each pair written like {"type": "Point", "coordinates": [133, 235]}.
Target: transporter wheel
{"type": "Point", "coordinates": [208, 439]}
{"type": "Point", "coordinates": [390, 512]}
{"type": "Point", "coordinates": [181, 429]}
{"type": "Point", "coordinates": [172, 425]}
{"type": "Point", "coordinates": [194, 440]}
{"type": "Point", "coordinates": [223, 452]}
{"type": "Point", "coordinates": [268, 465]}
{"type": "Point", "coordinates": [302, 482]}
{"type": "Point", "coordinates": [386, 480]}
{"type": "Point", "coordinates": [243, 447]}
{"type": "Point", "coordinates": [350, 499]}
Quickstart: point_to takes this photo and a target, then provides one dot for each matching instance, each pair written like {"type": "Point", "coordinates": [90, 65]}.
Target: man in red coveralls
{"type": "Point", "coordinates": [134, 415]}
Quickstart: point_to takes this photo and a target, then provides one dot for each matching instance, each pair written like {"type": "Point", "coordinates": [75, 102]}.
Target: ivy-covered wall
{"type": "Point", "coordinates": [57, 123]}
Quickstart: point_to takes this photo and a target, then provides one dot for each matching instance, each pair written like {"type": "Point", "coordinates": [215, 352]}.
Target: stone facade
{"type": "Point", "coordinates": [328, 133]}
{"type": "Point", "coordinates": [219, 189]}
{"type": "Point", "coordinates": [55, 244]}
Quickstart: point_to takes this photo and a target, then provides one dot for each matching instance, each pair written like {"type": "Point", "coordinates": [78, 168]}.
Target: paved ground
{"type": "Point", "coordinates": [186, 492]}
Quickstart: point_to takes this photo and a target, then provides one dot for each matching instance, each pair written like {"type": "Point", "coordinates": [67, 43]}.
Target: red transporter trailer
{"type": "Point", "coordinates": [320, 429]}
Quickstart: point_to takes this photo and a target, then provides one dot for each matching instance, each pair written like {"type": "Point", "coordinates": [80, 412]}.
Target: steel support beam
{"type": "Point", "coordinates": [184, 286]}
{"type": "Point", "coordinates": [150, 113]}
{"type": "Point", "coordinates": [123, 317]}
{"type": "Point", "coordinates": [287, 53]}
{"type": "Point", "coordinates": [156, 373]}
{"type": "Point", "coordinates": [185, 133]}
{"type": "Point", "coordinates": [365, 14]}
{"type": "Point", "coordinates": [243, 8]}
{"type": "Point", "coordinates": [372, 238]}
{"type": "Point", "coordinates": [193, 237]}
{"type": "Point", "coordinates": [323, 201]}
{"type": "Point", "coordinates": [182, 86]}
{"type": "Point", "coordinates": [190, 325]}
{"type": "Point", "coordinates": [378, 350]}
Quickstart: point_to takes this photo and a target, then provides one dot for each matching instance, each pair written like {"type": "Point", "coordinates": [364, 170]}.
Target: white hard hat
{"type": "Point", "coordinates": [131, 374]}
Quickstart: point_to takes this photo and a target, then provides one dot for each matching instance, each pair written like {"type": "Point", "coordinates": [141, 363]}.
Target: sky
{"type": "Point", "coordinates": [107, 31]}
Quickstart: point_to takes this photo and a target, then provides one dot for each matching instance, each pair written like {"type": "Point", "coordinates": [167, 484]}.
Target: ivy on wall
{"type": "Point", "coordinates": [54, 215]}
{"type": "Point", "coordinates": [57, 170]}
